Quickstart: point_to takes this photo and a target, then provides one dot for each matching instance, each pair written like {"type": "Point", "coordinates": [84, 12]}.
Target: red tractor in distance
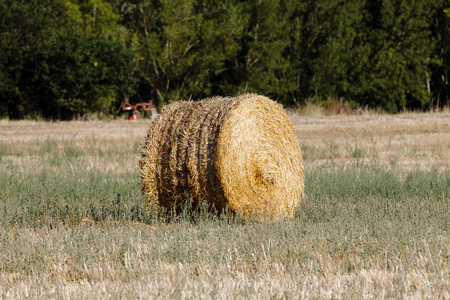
{"type": "Point", "coordinates": [133, 110]}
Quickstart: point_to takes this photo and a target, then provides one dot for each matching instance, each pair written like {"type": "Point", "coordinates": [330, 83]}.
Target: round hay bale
{"type": "Point", "coordinates": [241, 153]}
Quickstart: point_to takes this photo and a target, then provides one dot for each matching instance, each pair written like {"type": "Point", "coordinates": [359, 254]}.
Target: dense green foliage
{"type": "Point", "coordinates": [63, 58]}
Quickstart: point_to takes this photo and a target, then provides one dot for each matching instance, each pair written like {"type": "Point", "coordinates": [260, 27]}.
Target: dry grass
{"type": "Point", "coordinates": [101, 146]}
{"type": "Point", "coordinates": [129, 261]}
{"type": "Point", "coordinates": [407, 141]}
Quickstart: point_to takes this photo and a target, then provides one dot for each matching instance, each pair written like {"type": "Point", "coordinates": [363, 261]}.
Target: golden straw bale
{"type": "Point", "coordinates": [241, 153]}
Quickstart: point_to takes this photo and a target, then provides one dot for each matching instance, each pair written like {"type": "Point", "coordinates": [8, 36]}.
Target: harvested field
{"type": "Point", "coordinates": [375, 221]}
{"type": "Point", "coordinates": [408, 141]}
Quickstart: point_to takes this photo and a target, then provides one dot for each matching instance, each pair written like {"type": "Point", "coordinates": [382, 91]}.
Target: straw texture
{"type": "Point", "coordinates": [241, 153]}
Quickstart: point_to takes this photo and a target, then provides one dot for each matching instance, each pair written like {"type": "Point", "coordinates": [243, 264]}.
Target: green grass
{"type": "Point", "coordinates": [47, 197]}
{"type": "Point", "coordinates": [363, 229]}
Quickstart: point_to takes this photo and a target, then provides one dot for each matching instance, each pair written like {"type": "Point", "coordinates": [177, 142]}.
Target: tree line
{"type": "Point", "coordinates": [64, 58]}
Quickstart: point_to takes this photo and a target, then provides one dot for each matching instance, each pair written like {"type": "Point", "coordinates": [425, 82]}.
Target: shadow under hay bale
{"type": "Point", "coordinates": [241, 153]}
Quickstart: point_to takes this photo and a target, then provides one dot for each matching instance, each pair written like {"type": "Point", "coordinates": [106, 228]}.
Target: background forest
{"type": "Point", "coordinates": [60, 59]}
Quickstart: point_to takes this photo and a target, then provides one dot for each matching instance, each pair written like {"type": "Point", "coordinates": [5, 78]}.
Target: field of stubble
{"type": "Point", "coordinates": [374, 223]}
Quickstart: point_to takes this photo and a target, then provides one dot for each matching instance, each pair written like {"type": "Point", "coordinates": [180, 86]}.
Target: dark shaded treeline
{"type": "Point", "coordinates": [63, 58]}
